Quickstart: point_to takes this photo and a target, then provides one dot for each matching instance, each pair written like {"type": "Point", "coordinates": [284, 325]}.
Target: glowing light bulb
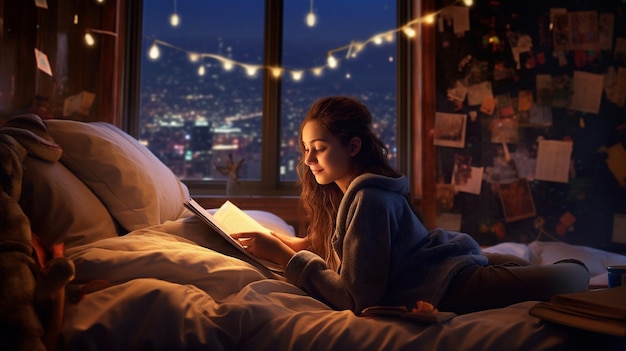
{"type": "Point", "coordinates": [201, 70]}
{"type": "Point", "coordinates": [332, 61]}
{"type": "Point", "coordinates": [174, 20]}
{"type": "Point", "coordinates": [378, 40]}
{"type": "Point", "coordinates": [250, 70]}
{"type": "Point", "coordinates": [296, 75]}
{"type": "Point", "coordinates": [430, 19]}
{"type": "Point", "coordinates": [468, 2]}
{"type": "Point", "coordinates": [409, 32]}
{"type": "Point", "coordinates": [228, 65]}
{"type": "Point", "coordinates": [193, 57]}
{"type": "Point", "coordinates": [89, 40]}
{"type": "Point", "coordinates": [311, 19]}
{"type": "Point", "coordinates": [389, 37]}
{"type": "Point", "coordinates": [317, 71]}
{"type": "Point", "coordinates": [154, 52]}
{"type": "Point", "coordinates": [76, 19]}
{"type": "Point", "coordinates": [276, 72]}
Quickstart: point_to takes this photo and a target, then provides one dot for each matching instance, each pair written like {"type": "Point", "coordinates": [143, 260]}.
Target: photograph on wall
{"type": "Point", "coordinates": [584, 30]}
{"type": "Point", "coordinates": [560, 29]}
{"type": "Point", "coordinates": [517, 200]}
{"type": "Point", "coordinates": [450, 129]}
{"type": "Point", "coordinates": [504, 130]}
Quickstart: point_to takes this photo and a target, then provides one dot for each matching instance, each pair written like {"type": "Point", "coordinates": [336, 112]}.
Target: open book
{"type": "Point", "coordinates": [230, 219]}
{"type": "Point", "coordinates": [602, 310]}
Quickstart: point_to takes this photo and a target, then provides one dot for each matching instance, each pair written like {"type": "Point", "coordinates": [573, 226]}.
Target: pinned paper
{"type": "Point", "coordinates": [41, 3]}
{"type": "Point", "coordinates": [583, 27]}
{"type": "Point", "coordinates": [473, 183]}
{"type": "Point", "coordinates": [560, 28]}
{"type": "Point", "coordinates": [616, 161]}
{"type": "Point", "coordinates": [587, 91]}
{"type": "Point", "coordinates": [525, 100]}
{"type": "Point", "coordinates": [477, 93]}
{"type": "Point", "coordinates": [449, 129]}
{"type": "Point", "coordinates": [42, 62]}
{"type": "Point", "coordinates": [619, 228]}
{"type": "Point", "coordinates": [517, 200]}
{"type": "Point", "coordinates": [553, 160]}
{"type": "Point", "coordinates": [606, 23]}
{"type": "Point", "coordinates": [504, 130]}
{"type": "Point", "coordinates": [460, 16]}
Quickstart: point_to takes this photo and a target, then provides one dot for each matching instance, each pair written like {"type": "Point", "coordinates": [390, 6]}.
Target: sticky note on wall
{"type": "Point", "coordinates": [619, 228]}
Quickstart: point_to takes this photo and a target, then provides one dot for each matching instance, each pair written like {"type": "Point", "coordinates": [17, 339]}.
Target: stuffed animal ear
{"type": "Point", "coordinates": [12, 155]}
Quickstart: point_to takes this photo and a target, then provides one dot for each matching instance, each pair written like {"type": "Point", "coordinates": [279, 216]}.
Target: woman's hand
{"type": "Point", "coordinates": [267, 246]}
{"type": "Point", "coordinates": [294, 242]}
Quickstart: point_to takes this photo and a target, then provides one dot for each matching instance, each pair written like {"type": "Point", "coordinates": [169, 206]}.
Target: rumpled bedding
{"type": "Point", "coordinates": [175, 287]}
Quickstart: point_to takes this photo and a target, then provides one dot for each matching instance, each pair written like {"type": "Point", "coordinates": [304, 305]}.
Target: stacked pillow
{"type": "Point", "coordinates": [133, 184]}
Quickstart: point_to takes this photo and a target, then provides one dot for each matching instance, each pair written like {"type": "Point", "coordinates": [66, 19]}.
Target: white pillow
{"type": "Point", "coordinates": [60, 207]}
{"type": "Point", "coordinates": [596, 260]}
{"type": "Point", "coordinates": [136, 187]}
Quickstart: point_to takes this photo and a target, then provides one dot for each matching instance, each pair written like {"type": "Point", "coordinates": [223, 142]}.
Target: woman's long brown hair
{"type": "Point", "coordinates": [345, 118]}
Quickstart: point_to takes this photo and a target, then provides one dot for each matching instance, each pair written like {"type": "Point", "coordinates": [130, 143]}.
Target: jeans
{"type": "Point", "coordinates": [509, 279]}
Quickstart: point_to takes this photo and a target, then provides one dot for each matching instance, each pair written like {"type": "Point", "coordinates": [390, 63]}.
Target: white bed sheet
{"type": "Point", "coordinates": [169, 293]}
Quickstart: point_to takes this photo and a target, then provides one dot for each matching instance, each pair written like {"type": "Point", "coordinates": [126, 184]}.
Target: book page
{"type": "Point", "coordinates": [233, 220]}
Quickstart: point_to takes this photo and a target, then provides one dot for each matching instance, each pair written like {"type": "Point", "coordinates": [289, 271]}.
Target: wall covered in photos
{"type": "Point", "coordinates": [530, 127]}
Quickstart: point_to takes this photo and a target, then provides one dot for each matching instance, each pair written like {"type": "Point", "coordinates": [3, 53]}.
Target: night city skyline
{"type": "Point", "coordinates": [193, 121]}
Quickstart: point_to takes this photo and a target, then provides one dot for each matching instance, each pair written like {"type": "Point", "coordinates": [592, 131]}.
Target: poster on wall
{"type": "Point", "coordinates": [517, 200]}
{"type": "Point", "coordinates": [450, 129]}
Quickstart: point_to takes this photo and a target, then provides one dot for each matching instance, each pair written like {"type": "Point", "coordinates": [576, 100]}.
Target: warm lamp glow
{"type": "Point", "coordinates": [154, 52]}
{"type": "Point", "coordinates": [89, 40]}
{"type": "Point", "coordinates": [296, 75]}
{"type": "Point", "coordinates": [276, 72]}
{"type": "Point", "coordinates": [409, 32]}
{"type": "Point", "coordinates": [351, 50]}
{"type": "Point", "coordinates": [174, 20]}
{"type": "Point", "coordinates": [228, 65]}
{"type": "Point", "coordinates": [332, 61]}
{"type": "Point", "coordinates": [311, 19]}
{"type": "Point", "coordinates": [251, 70]}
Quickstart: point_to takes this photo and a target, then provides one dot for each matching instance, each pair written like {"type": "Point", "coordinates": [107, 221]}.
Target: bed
{"type": "Point", "coordinates": [154, 277]}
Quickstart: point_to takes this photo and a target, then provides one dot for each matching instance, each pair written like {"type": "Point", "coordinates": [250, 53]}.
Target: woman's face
{"type": "Point", "coordinates": [328, 160]}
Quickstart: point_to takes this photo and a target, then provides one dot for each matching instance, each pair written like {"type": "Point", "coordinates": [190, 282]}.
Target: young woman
{"type": "Point", "coordinates": [366, 246]}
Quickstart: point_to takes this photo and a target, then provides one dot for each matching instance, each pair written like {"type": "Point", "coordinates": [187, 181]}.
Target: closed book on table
{"type": "Point", "coordinates": [602, 310]}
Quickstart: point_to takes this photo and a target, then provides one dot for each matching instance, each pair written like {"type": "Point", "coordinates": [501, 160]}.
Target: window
{"type": "Point", "coordinates": [211, 96]}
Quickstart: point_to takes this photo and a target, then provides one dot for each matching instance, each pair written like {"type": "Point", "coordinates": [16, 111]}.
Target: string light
{"type": "Point", "coordinates": [174, 19]}
{"type": "Point", "coordinates": [90, 40]}
{"type": "Point", "coordinates": [332, 62]}
{"type": "Point", "coordinates": [310, 17]}
{"type": "Point", "coordinates": [154, 52]}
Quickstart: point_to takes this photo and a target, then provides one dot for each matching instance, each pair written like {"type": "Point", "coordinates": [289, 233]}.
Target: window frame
{"type": "Point", "coordinates": [270, 183]}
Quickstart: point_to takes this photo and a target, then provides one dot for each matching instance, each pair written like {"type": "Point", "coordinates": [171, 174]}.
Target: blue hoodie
{"type": "Point", "coordinates": [387, 255]}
